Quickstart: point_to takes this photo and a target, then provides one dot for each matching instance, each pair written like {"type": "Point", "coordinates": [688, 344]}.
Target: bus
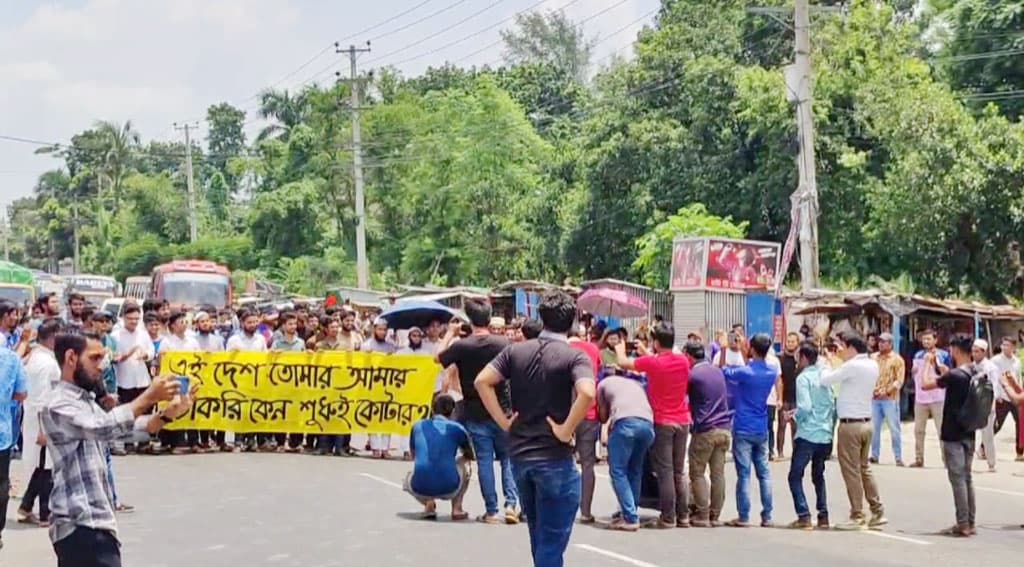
{"type": "Point", "coordinates": [187, 284]}
{"type": "Point", "coordinates": [137, 288]}
{"type": "Point", "coordinates": [95, 289]}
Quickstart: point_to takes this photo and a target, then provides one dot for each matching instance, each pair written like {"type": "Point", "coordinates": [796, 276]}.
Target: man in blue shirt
{"type": "Point", "coordinates": [438, 472]}
{"type": "Point", "coordinates": [749, 387]}
{"type": "Point", "coordinates": [815, 418]}
{"type": "Point", "coordinates": [13, 386]}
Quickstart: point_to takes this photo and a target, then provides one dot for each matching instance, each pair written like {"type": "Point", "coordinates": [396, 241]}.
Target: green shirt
{"type": "Point", "coordinates": [815, 407]}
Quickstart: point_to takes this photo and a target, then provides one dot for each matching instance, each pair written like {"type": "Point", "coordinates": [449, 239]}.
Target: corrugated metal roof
{"type": "Point", "coordinates": [824, 300]}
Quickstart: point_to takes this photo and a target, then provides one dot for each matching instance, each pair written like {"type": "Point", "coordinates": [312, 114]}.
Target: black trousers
{"type": "Point", "coordinates": [5, 484]}
{"type": "Point", "coordinates": [1003, 409]}
{"type": "Point", "coordinates": [86, 547]}
{"type": "Point", "coordinates": [39, 486]}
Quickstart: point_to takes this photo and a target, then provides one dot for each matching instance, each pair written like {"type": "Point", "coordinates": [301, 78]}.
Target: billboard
{"type": "Point", "coordinates": [688, 260]}
{"type": "Point", "coordinates": [724, 264]}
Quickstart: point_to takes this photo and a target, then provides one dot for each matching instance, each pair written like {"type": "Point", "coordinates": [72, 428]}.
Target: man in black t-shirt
{"type": "Point", "coordinates": [789, 364]}
{"type": "Point", "coordinates": [957, 440]}
{"type": "Point", "coordinates": [543, 375]}
{"type": "Point", "coordinates": [470, 355]}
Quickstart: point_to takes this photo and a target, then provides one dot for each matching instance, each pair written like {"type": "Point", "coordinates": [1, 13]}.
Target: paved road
{"type": "Point", "coordinates": [297, 510]}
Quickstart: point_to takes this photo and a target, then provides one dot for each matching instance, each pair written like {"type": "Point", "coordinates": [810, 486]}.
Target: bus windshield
{"type": "Point", "coordinates": [20, 296]}
{"type": "Point", "coordinates": [192, 289]}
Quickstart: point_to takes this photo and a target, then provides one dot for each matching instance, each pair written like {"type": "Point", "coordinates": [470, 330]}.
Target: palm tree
{"type": "Point", "coordinates": [287, 110]}
{"type": "Point", "coordinates": [120, 142]}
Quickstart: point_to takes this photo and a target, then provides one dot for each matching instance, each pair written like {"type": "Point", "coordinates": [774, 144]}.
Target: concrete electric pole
{"type": "Point", "coordinates": [808, 186]}
{"type": "Point", "coordinates": [362, 266]}
{"type": "Point", "coordinates": [193, 227]}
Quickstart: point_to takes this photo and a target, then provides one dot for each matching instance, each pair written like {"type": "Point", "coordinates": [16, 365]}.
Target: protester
{"type": "Point", "coordinates": [84, 528]}
{"type": "Point", "coordinates": [712, 421]}
{"type": "Point", "coordinates": [814, 417]}
{"type": "Point", "coordinates": [178, 340]}
{"type": "Point", "coordinates": [749, 386]}
{"type": "Point", "coordinates": [15, 337]}
{"type": "Point", "coordinates": [42, 374]}
{"type": "Point", "coordinates": [856, 379]}
{"type": "Point", "coordinates": [13, 386]}
{"type": "Point", "coordinates": [543, 375]}
{"type": "Point", "coordinates": [957, 433]}
{"type": "Point", "coordinates": [668, 375]}
{"type": "Point", "coordinates": [788, 365]}
{"type": "Point", "coordinates": [287, 339]}
{"type": "Point", "coordinates": [49, 307]}
{"type": "Point", "coordinates": [979, 356]}
{"type": "Point", "coordinates": [248, 340]}
{"type": "Point", "coordinates": [439, 474]}
{"type": "Point", "coordinates": [1007, 361]}
{"type": "Point", "coordinates": [469, 356]}
{"type": "Point", "coordinates": [380, 444]}
{"type": "Point", "coordinates": [927, 403]}
{"type": "Point", "coordinates": [622, 402]}
{"type": "Point", "coordinates": [73, 317]}
{"type": "Point", "coordinates": [532, 329]}
{"type": "Point", "coordinates": [588, 435]}
{"type": "Point", "coordinates": [885, 405]}
{"type": "Point", "coordinates": [134, 350]}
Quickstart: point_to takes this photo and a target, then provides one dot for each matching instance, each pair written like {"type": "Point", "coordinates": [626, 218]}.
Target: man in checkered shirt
{"type": "Point", "coordinates": [83, 528]}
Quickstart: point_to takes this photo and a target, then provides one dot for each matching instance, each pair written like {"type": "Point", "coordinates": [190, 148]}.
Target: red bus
{"type": "Point", "coordinates": [187, 284]}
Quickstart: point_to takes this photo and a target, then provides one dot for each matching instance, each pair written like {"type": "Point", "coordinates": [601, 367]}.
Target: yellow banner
{"type": "Point", "coordinates": [327, 392]}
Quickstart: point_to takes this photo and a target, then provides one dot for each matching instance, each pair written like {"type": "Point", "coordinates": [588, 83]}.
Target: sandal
{"type": "Point", "coordinates": [622, 526]}
{"type": "Point", "coordinates": [124, 508]}
{"type": "Point", "coordinates": [27, 517]}
{"type": "Point", "coordinates": [460, 516]}
{"type": "Point", "coordinates": [956, 531]}
{"type": "Point", "coordinates": [429, 515]}
{"type": "Point", "coordinates": [493, 520]}
{"type": "Point", "coordinates": [737, 523]}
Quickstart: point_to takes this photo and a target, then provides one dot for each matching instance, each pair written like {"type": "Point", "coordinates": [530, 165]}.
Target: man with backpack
{"type": "Point", "coordinates": [969, 397]}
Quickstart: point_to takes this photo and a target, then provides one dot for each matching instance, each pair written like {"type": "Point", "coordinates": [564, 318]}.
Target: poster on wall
{"type": "Point", "coordinates": [741, 265]}
{"type": "Point", "coordinates": [688, 258]}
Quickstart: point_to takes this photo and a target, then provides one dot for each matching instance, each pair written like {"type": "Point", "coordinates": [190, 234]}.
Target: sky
{"type": "Point", "coordinates": [66, 64]}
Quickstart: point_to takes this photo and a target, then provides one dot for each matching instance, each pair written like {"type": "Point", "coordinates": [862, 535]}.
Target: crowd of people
{"type": "Point", "coordinates": [538, 397]}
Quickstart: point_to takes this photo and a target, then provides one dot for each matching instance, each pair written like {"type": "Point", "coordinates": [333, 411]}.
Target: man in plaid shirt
{"type": "Point", "coordinates": [83, 528]}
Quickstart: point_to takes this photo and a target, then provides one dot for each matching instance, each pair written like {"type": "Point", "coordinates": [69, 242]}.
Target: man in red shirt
{"type": "Point", "coordinates": [668, 377]}
{"type": "Point", "coordinates": [588, 433]}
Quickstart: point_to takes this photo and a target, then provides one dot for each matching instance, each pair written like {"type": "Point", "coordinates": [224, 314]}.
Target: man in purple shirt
{"type": "Point", "coordinates": [927, 403]}
{"type": "Point", "coordinates": [712, 421]}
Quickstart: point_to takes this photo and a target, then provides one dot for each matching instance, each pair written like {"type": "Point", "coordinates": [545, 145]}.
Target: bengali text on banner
{"type": "Point", "coordinates": [327, 392]}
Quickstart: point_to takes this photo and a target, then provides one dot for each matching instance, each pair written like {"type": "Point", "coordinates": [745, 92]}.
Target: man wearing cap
{"type": "Point", "coordinates": [885, 405]}
{"type": "Point", "coordinates": [979, 354]}
{"type": "Point", "coordinates": [378, 342]}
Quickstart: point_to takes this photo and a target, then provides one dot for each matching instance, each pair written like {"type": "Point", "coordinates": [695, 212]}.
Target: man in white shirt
{"type": "Point", "coordinates": [856, 378]}
{"type": "Point", "coordinates": [134, 349]}
{"type": "Point", "coordinates": [209, 340]}
{"type": "Point", "coordinates": [979, 354]}
{"type": "Point", "coordinates": [178, 341]}
{"type": "Point", "coordinates": [248, 339]}
{"type": "Point", "coordinates": [43, 373]}
{"type": "Point", "coordinates": [1007, 361]}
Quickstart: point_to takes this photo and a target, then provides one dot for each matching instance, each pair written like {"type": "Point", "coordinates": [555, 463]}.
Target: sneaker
{"type": "Point", "coordinates": [854, 525]}
{"type": "Point", "coordinates": [823, 523]}
{"type": "Point", "coordinates": [658, 524]}
{"type": "Point", "coordinates": [873, 460]}
{"type": "Point", "coordinates": [801, 524]}
{"type": "Point", "coordinates": [685, 523]}
{"type": "Point", "coordinates": [700, 523]}
{"type": "Point", "coordinates": [118, 452]}
{"type": "Point", "coordinates": [767, 524]}
{"type": "Point", "coordinates": [511, 515]}
{"type": "Point", "coordinates": [900, 464]}
{"type": "Point", "coordinates": [877, 521]}
{"type": "Point", "coordinates": [917, 465]}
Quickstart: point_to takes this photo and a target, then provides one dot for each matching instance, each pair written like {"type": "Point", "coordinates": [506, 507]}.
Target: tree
{"type": "Point", "coordinates": [119, 145]}
{"type": "Point", "coordinates": [549, 38]}
{"type": "Point", "coordinates": [285, 109]}
{"type": "Point", "coordinates": [654, 249]}
{"type": "Point", "coordinates": [226, 138]}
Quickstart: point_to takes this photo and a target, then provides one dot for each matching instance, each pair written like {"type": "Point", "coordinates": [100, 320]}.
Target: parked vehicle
{"type": "Point", "coordinates": [186, 284]}
{"type": "Point", "coordinates": [49, 283]}
{"type": "Point", "coordinates": [95, 289]}
{"type": "Point", "coordinates": [17, 284]}
{"type": "Point", "coordinates": [137, 288]}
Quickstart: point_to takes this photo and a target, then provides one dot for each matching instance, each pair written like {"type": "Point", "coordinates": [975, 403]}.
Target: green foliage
{"type": "Point", "coordinates": [549, 38]}
{"type": "Point", "coordinates": [654, 249]}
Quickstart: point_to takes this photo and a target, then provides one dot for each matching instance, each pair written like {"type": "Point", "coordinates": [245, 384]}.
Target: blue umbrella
{"type": "Point", "coordinates": [405, 314]}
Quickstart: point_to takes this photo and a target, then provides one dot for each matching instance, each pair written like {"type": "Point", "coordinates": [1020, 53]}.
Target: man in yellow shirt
{"type": "Point", "coordinates": [885, 405]}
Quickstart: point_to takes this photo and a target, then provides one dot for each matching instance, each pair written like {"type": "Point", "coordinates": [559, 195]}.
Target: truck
{"type": "Point", "coordinates": [95, 289]}
{"type": "Point", "coordinates": [17, 284]}
{"type": "Point", "coordinates": [187, 284]}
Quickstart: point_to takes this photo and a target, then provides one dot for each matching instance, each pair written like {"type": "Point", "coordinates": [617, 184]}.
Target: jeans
{"type": "Point", "coordinates": [816, 454]}
{"type": "Point", "coordinates": [628, 443]}
{"type": "Point", "coordinates": [551, 495]}
{"type": "Point", "coordinates": [668, 458]}
{"type": "Point", "coordinates": [110, 477]}
{"type": "Point", "coordinates": [959, 456]}
{"type": "Point", "coordinates": [327, 444]}
{"type": "Point", "coordinates": [750, 450]}
{"type": "Point", "coordinates": [887, 412]}
{"type": "Point", "coordinates": [86, 547]}
{"type": "Point", "coordinates": [772, 411]}
{"type": "Point", "coordinates": [588, 433]}
{"type": "Point", "coordinates": [489, 441]}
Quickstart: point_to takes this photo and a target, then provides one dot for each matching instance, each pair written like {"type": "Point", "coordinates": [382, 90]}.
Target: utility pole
{"type": "Point", "coordinates": [7, 233]}
{"type": "Point", "coordinates": [193, 228]}
{"type": "Point", "coordinates": [808, 186]}
{"type": "Point", "coordinates": [362, 267]}
{"type": "Point", "coordinates": [74, 213]}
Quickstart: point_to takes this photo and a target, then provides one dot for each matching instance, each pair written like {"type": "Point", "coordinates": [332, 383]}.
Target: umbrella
{"type": "Point", "coordinates": [605, 302]}
{"type": "Point", "coordinates": [413, 313]}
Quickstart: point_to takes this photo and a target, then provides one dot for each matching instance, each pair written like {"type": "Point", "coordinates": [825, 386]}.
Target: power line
{"type": "Point", "coordinates": [381, 23]}
{"type": "Point", "coordinates": [421, 20]}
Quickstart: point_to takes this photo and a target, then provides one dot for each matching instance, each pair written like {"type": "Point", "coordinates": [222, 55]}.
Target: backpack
{"type": "Point", "coordinates": [973, 415]}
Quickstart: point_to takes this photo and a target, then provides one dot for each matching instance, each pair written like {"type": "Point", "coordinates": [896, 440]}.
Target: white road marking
{"type": "Point", "coordinates": [999, 491]}
{"type": "Point", "coordinates": [896, 537]}
{"type": "Point", "coordinates": [613, 555]}
{"type": "Point", "coordinates": [382, 480]}
{"type": "Point", "coordinates": [278, 557]}
{"type": "Point", "coordinates": [216, 547]}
